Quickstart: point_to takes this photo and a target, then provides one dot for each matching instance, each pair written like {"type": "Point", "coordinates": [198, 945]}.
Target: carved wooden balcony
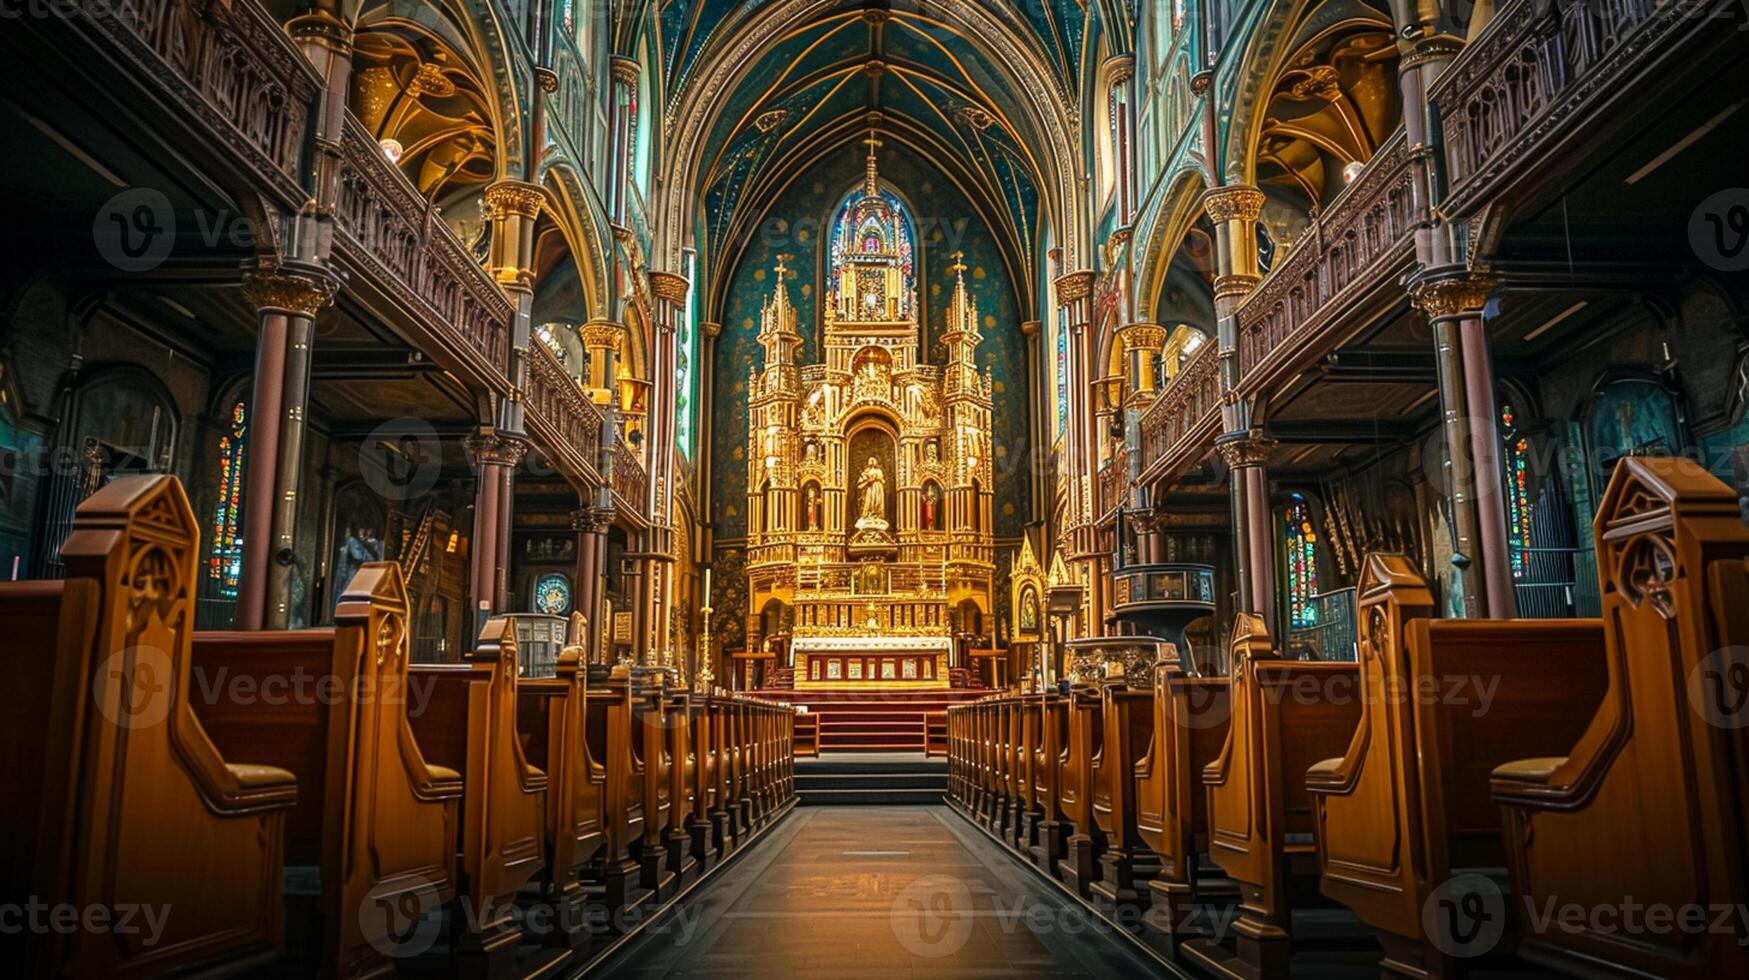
{"type": "Point", "coordinates": [1539, 71]}
{"type": "Point", "coordinates": [631, 484]}
{"type": "Point", "coordinates": [561, 416]}
{"type": "Point", "coordinates": [388, 232]}
{"type": "Point", "coordinates": [1187, 413]}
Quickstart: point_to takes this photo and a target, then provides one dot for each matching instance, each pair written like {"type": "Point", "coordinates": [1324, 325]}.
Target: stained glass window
{"type": "Point", "coordinates": [1516, 463]}
{"type": "Point", "coordinates": [686, 348]}
{"type": "Point", "coordinates": [225, 566]}
{"type": "Point", "coordinates": [1300, 550]}
{"type": "Point", "coordinates": [568, 12]}
{"type": "Point", "coordinates": [552, 595]}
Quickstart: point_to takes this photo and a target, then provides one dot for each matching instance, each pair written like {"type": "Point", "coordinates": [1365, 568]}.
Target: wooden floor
{"type": "Point", "coordinates": [877, 892]}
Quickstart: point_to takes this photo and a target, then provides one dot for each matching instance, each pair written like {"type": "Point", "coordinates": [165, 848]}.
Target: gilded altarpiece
{"type": "Point", "coordinates": [869, 490]}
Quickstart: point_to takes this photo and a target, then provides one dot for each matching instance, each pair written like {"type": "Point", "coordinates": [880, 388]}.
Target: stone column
{"type": "Point", "coordinates": [709, 331]}
{"type": "Point", "coordinates": [623, 123]}
{"type": "Point", "coordinates": [1039, 405]}
{"type": "Point", "coordinates": [1142, 342]}
{"type": "Point", "coordinates": [1123, 126]}
{"type": "Point", "coordinates": [494, 454]}
{"type": "Point", "coordinates": [1453, 300]}
{"type": "Point", "coordinates": [1234, 210]}
{"type": "Point", "coordinates": [288, 298]}
{"type": "Point", "coordinates": [1246, 455]}
{"type": "Point", "coordinates": [591, 526]}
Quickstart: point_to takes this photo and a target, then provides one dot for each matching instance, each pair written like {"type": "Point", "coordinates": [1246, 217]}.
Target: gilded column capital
{"type": "Point", "coordinates": [1236, 285]}
{"type": "Point", "coordinates": [711, 329]}
{"type": "Point", "coordinates": [495, 448]}
{"type": "Point", "coordinates": [1029, 328]}
{"type": "Point", "coordinates": [669, 287]}
{"type": "Point", "coordinates": [1072, 286]}
{"type": "Point", "coordinates": [1242, 449]}
{"type": "Point", "coordinates": [625, 69]}
{"type": "Point", "coordinates": [603, 333]}
{"type": "Point", "coordinates": [547, 79]}
{"type": "Point", "coordinates": [303, 291]}
{"type": "Point", "coordinates": [1451, 292]}
{"type": "Point", "coordinates": [515, 197]}
{"type": "Point", "coordinates": [1233, 202]}
{"type": "Point", "coordinates": [1142, 336]}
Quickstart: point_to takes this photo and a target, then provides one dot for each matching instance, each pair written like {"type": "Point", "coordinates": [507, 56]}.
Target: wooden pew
{"type": "Point", "coordinates": [1008, 765]}
{"type": "Point", "coordinates": [1079, 866]}
{"type": "Point", "coordinates": [115, 797]}
{"type": "Point", "coordinates": [469, 725]}
{"type": "Point", "coordinates": [370, 842]}
{"type": "Point", "coordinates": [550, 716]}
{"type": "Point", "coordinates": [1191, 717]}
{"type": "Point", "coordinates": [609, 719]}
{"type": "Point", "coordinates": [1050, 831]}
{"type": "Point", "coordinates": [650, 750]}
{"type": "Point", "coordinates": [1647, 805]}
{"type": "Point", "coordinates": [1127, 864]}
{"type": "Point", "coordinates": [723, 833]}
{"type": "Point", "coordinates": [703, 769]}
{"type": "Point", "coordinates": [1026, 809]}
{"type": "Point", "coordinates": [677, 840]}
{"type": "Point", "coordinates": [1286, 715]}
{"type": "Point", "coordinates": [1444, 702]}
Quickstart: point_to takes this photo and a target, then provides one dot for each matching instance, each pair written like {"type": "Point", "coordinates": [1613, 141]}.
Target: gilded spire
{"type": "Point", "coordinates": [874, 144]}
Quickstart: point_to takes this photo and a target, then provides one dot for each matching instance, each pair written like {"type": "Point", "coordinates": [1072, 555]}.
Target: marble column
{"type": "Point", "coordinates": [495, 455]}
{"type": "Point", "coordinates": [288, 297]}
{"type": "Point", "coordinates": [1247, 455]}
{"type": "Point", "coordinates": [1453, 300]}
{"type": "Point", "coordinates": [1142, 343]}
{"type": "Point", "coordinates": [1234, 210]}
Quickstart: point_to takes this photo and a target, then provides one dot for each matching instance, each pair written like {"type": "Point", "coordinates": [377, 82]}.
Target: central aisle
{"type": "Point", "coordinates": [877, 892]}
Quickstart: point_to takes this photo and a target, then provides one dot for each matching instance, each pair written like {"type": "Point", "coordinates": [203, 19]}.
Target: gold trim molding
{"type": "Point", "coordinates": [1452, 295]}
{"type": "Point", "coordinates": [1142, 336]}
{"type": "Point", "coordinates": [293, 293]}
{"type": "Point", "coordinates": [508, 197]}
{"type": "Point", "coordinates": [1242, 449]}
{"type": "Point", "coordinates": [1072, 286]}
{"type": "Point", "coordinates": [669, 287]}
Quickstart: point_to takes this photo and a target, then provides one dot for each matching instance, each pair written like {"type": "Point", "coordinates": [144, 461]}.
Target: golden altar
{"type": "Point", "coordinates": [872, 663]}
{"type": "Point", "coordinates": [869, 474]}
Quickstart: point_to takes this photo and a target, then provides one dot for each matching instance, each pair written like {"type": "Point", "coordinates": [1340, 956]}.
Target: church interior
{"type": "Point", "coordinates": [1217, 489]}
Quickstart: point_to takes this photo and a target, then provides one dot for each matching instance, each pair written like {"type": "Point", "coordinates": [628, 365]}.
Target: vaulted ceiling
{"type": "Point", "coordinates": [896, 68]}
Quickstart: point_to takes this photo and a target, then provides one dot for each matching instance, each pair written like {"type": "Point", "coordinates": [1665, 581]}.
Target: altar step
{"type": "Point", "coordinates": [860, 721]}
{"type": "Point", "coordinates": [894, 779]}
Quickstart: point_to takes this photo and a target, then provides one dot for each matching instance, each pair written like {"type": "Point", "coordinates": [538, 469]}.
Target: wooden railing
{"type": "Point", "coordinates": [391, 231]}
{"type": "Point", "coordinates": [231, 66]}
{"type": "Point", "coordinates": [630, 482]}
{"type": "Point", "coordinates": [1369, 226]}
{"type": "Point", "coordinates": [1187, 411]}
{"type": "Point", "coordinates": [1112, 483]}
{"type": "Point", "coordinates": [1516, 87]}
{"type": "Point", "coordinates": [559, 412]}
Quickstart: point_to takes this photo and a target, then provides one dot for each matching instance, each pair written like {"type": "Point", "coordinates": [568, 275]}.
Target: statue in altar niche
{"type": "Point", "coordinates": [873, 486]}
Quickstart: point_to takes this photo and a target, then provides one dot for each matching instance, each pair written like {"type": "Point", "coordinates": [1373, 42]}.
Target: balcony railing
{"type": "Point", "coordinates": [559, 413]}
{"type": "Point", "coordinates": [1519, 85]}
{"type": "Point", "coordinates": [230, 66]}
{"type": "Point", "coordinates": [1369, 227]}
{"type": "Point", "coordinates": [1113, 483]}
{"type": "Point", "coordinates": [388, 229]}
{"type": "Point", "coordinates": [1367, 230]}
{"type": "Point", "coordinates": [1187, 410]}
{"type": "Point", "coordinates": [630, 483]}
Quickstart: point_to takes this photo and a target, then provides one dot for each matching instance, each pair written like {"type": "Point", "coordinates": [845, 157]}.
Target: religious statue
{"type": "Point", "coordinates": [931, 500]}
{"type": "Point", "coordinates": [873, 484]}
{"type": "Point", "coordinates": [812, 515]}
